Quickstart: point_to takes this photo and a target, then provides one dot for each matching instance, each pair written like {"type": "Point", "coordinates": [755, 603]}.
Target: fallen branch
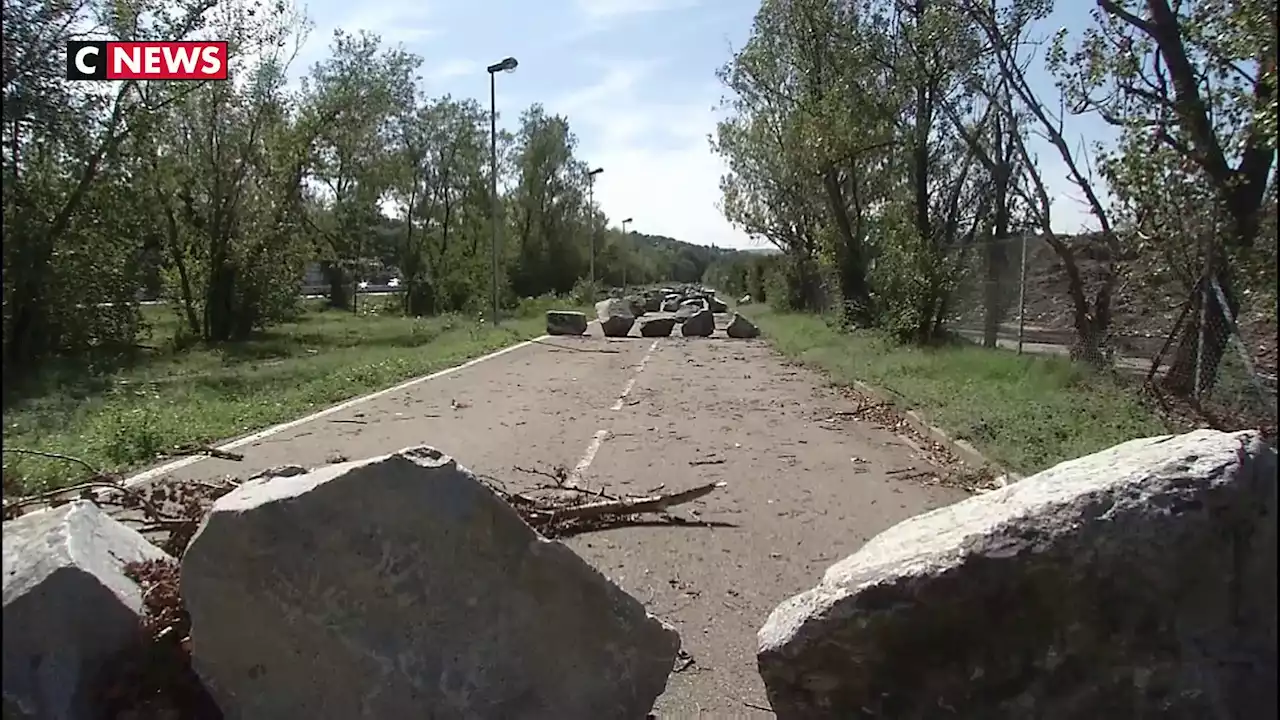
{"type": "Point", "coordinates": [899, 471]}
{"type": "Point", "coordinates": [52, 497]}
{"type": "Point", "coordinates": [53, 456]}
{"type": "Point", "coordinates": [560, 476]}
{"type": "Point", "coordinates": [716, 461]}
{"type": "Point", "coordinates": [684, 661]}
{"type": "Point", "coordinates": [204, 450]}
{"type": "Point", "coordinates": [557, 346]}
{"type": "Point", "coordinates": [631, 506]}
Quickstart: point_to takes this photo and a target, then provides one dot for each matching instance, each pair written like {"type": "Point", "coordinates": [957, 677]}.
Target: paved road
{"type": "Point", "coordinates": [631, 415]}
{"type": "Point", "coordinates": [1037, 346]}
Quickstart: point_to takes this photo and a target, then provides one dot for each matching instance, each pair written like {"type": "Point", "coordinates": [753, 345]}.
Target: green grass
{"type": "Point", "coordinates": [122, 419]}
{"type": "Point", "coordinates": [1026, 413]}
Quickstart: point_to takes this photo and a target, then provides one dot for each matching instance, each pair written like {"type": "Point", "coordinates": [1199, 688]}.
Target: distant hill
{"type": "Point", "coordinates": [673, 259]}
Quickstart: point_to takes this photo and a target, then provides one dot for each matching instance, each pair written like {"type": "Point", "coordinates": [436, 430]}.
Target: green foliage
{"type": "Point", "coordinates": [218, 196]}
{"type": "Point", "coordinates": [1026, 413]}
{"type": "Point", "coordinates": [124, 418]}
{"type": "Point", "coordinates": [883, 147]}
{"type": "Point", "coordinates": [848, 118]}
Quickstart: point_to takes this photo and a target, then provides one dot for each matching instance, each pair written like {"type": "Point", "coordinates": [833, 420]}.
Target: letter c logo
{"type": "Point", "coordinates": [80, 56]}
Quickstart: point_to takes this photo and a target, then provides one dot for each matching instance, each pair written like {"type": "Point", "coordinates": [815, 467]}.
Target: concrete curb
{"type": "Point", "coordinates": [962, 449]}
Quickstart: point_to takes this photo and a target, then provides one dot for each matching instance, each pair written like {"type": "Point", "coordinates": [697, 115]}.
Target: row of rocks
{"type": "Point", "coordinates": [618, 315]}
{"type": "Point", "coordinates": [669, 299]}
{"type": "Point", "coordinates": [1138, 582]}
{"type": "Point", "coordinates": [616, 321]}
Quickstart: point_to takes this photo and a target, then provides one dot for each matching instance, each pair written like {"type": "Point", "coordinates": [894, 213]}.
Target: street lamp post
{"type": "Point", "coordinates": [591, 214]}
{"type": "Point", "coordinates": [506, 65]}
{"type": "Point", "coordinates": [625, 254]}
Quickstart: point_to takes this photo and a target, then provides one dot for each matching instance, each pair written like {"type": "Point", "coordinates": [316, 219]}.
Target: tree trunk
{"type": "Point", "coordinates": [998, 248]}
{"type": "Point", "coordinates": [993, 293]}
{"type": "Point", "coordinates": [855, 291]}
{"type": "Point", "coordinates": [1091, 320]}
{"type": "Point", "coordinates": [1181, 379]}
{"type": "Point", "coordinates": [220, 310]}
{"type": "Point", "coordinates": [337, 279]}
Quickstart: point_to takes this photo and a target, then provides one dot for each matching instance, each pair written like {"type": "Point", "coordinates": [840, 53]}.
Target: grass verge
{"type": "Point", "coordinates": [124, 419]}
{"type": "Point", "coordinates": [1024, 412]}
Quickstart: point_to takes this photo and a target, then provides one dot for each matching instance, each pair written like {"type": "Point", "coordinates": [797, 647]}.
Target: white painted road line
{"type": "Point", "coordinates": [626, 390]}
{"type": "Point", "coordinates": [588, 456]}
{"type": "Point", "coordinates": [594, 446]}
{"type": "Point", "coordinates": [346, 405]}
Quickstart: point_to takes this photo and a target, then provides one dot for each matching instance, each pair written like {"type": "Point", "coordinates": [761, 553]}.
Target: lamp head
{"type": "Point", "coordinates": [505, 65]}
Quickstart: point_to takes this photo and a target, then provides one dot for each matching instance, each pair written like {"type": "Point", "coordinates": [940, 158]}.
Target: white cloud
{"type": "Point", "coordinates": [658, 166]}
{"type": "Point", "coordinates": [618, 85]}
{"type": "Point", "coordinates": [596, 16]}
{"type": "Point", "coordinates": [393, 22]}
{"type": "Point", "coordinates": [449, 69]}
{"type": "Point", "coordinates": [599, 9]}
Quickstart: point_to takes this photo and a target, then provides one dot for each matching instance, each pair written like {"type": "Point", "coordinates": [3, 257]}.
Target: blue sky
{"type": "Point", "coordinates": [636, 78]}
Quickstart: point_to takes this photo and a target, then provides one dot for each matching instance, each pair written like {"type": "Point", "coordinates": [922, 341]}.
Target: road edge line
{"type": "Point", "coordinates": [171, 466]}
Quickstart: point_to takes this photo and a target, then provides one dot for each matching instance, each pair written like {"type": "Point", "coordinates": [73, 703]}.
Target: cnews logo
{"type": "Point", "coordinates": [110, 60]}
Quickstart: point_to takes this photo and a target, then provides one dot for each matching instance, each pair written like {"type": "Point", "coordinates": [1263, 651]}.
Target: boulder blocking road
{"type": "Point", "coordinates": [640, 415]}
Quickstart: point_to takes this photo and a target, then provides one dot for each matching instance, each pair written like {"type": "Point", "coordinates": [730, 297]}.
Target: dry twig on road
{"type": "Point", "coordinates": [557, 346]}
{"type": "Point", "coordinates": [558, 516]}
{"type": "Point", "coordinates": [213, 452]}
{"type": "Point", "coordinates": [175, 506]}
{"type": "Point", "coordinates": [630, 506]}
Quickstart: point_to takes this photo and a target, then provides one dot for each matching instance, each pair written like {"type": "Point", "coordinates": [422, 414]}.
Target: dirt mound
{"type": "Point", "coordinates": [1146, 305]}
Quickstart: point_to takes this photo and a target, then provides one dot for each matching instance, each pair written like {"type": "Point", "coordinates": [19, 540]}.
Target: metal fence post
{"type": "Point", "coordinates": [1204, 307]}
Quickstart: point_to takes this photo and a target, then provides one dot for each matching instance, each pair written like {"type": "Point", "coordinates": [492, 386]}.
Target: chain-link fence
{"type": "Point", "coordinates": [1016, 294]}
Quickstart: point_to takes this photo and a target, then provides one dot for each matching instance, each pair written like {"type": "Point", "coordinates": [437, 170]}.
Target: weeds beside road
{"type": "Point", "coordinates": [1023, 412]}
{"type": "Point", "coordinates": [124, 419]}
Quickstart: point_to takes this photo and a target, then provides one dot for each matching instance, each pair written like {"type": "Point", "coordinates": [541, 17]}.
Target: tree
{"type": "Point", "coordinates": [443, 194]}
{"type": "Point", "coordinates": [838, 155]}
{"type": "Point", "coordinates": [548, 207]}
{"type": "Point", "coordinates": [361, 87]}
{"type": "Point", "coordinates": [1193, 88]}
{"type": "Point", "coordinates": [74, 249]}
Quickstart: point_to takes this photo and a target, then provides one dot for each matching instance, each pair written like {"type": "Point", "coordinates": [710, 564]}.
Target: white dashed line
{"type": "Point", "coordinates": [626, 390]}
{"type": "Point", "coordinates": [590, 454]}
{"type": "Point", "coordinates": [596, 441]}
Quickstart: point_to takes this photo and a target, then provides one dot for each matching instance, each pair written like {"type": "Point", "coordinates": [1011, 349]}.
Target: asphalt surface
{"type": "Point", "coordinates": [636, 416]}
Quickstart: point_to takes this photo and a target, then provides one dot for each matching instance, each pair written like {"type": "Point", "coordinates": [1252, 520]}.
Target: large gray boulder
{"type": "Point", "coordinates": [652, 302]}
{"type": "Point", "coordinates": [69, 608]}
{"type": "Point", "coordinates": [689, 308]}
{"type": "Point", "coordinates": [636, 303]}
{"type": "Point", "coordinates": [615, 316]}
{"type": "Point", "coordinates": [657, 326]}
{"type": "Point", "coordinates": [402, 587]}
{"type": "Point", "coordinates": [741, 327]}
{"type": "Point", "coordinates": [670, 303]}
{"type": "Point", "coordinates": [716, 305]}
{"type": "Point", "coordinates": [565, 322]}
{"type": "Point", "coordinates": [1138, 582]}
{"type": "Point", "coordinates": [700, 324]}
